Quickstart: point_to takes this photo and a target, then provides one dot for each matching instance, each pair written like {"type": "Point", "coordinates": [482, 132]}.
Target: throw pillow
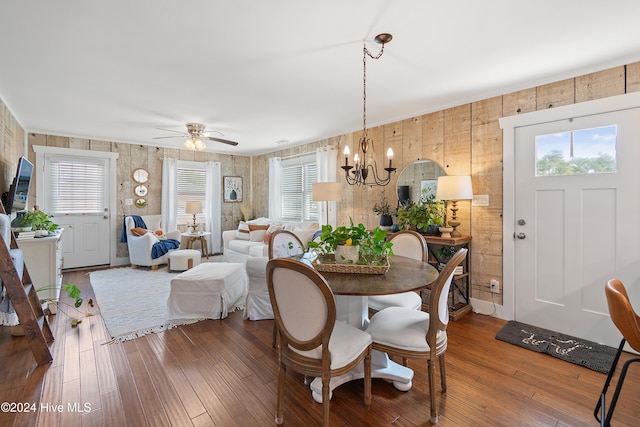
{"type": "Point", "coordinates": [257, 232]}
{"type": "Point", "coordinates": [243, 231]}
{"type": "Point", "coordinates": [272, 228]}
{"type": "Point", "coordinates": [138, 231]}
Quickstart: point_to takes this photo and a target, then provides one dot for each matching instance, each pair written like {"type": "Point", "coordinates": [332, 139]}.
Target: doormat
{"type": "Point", "coordinates": [594, 356]}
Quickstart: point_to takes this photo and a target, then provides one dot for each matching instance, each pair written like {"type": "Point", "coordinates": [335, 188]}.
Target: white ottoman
{"type": "Point", "coordinates": [183, 259]}
{"type": "Point", "coordinates": [208, 291]}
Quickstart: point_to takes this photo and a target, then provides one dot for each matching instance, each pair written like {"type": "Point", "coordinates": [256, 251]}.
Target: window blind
{"type": "Point", "coordinates": [76, 187]}
{"type": "Point", "coordinates": [297, 180]}
{"type": "Point", "coordinates": [191, 188]}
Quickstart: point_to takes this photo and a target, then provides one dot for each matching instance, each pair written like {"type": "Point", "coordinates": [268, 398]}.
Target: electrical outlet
{"type": "Point", "coordinates": [495, 286]}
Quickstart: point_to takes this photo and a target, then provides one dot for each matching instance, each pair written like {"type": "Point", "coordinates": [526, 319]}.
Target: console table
{"type": "Point", "coordinates": [197, 237]}
{"type": "Point", "coordinates": [460, 293]}
{"type": "Point", "coordinates": [43, 258]}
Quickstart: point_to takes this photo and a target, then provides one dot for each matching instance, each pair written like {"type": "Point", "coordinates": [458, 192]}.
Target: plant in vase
{"type": "Point", "coordinates": [353, 244]}
{"type": "Point", "coordinates": [383, 209]}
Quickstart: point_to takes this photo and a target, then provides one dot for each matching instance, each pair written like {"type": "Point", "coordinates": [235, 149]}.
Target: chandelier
{"type": "Point", "coordinates": [358, 176]}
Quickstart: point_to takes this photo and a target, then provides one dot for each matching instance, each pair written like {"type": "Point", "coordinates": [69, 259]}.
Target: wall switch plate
{"type": "Point", "coordinates": [128, 202]}
{"type": "Point", "coordinates": [480, 200]}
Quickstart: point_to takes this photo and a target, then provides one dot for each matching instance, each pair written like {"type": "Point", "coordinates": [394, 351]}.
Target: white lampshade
{"type": "Point", "coordinates": [193, 208]}
{"type": "Point", "coordinates": [326, 191]}
{"type": "Point", "coordinates": [454, 187]}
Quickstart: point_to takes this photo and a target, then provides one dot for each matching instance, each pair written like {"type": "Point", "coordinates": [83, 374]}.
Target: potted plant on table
{"type": "Point", "coordinates": [383, 209]}
{"type": "Point", "coordinates": [353, 244]}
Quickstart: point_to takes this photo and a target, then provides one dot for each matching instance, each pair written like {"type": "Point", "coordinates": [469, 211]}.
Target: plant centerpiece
{"type": "Point", "coordinates": [354, 244]}
{"type": "Point", "coordinates": [383, 209]}
{"type": "Point", "coordinates": [426, 216]}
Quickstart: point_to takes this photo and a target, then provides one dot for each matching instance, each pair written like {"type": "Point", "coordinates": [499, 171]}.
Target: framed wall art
{"type": "Point", "coordinates": [232, 188]}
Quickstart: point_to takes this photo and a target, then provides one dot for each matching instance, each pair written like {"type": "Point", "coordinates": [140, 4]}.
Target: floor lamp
{"type": "Point", "coordinates": [453, 188]}
{"type": "Point", "coordinates": [326, 192]}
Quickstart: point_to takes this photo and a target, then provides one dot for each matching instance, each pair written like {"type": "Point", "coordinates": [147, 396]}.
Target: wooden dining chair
{"type": "Point", "coordinates": [283, 244]}
{"type": "Point", "coordinates": [311, 341]}
{"type": "Point", "coordinates": [415, 334]}
{"type": "Point", "coordinates": [412, 245]}
{"type": "Point", "coordinates": [628, 323]}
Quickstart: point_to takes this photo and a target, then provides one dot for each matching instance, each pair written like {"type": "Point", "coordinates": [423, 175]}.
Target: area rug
{"type": "Point", "coordinates": [133, 302]}
{"type": "Point", "coordinates": [589, 354]}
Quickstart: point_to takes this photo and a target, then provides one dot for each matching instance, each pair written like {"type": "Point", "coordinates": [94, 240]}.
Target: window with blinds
{"type": "Point", "coordinates": [191, 188]}
{"type": "Point", "coordinates": [76, 186]}
{"type": "Point", "coordinates": [297, 178]}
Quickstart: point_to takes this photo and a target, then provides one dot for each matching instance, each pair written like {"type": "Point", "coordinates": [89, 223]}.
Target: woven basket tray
{"type": "Point", "coordinates": [327, 264]}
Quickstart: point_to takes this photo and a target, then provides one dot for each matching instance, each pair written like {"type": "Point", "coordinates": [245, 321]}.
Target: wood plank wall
{"type": "Point", "coordinates": [465, 140]}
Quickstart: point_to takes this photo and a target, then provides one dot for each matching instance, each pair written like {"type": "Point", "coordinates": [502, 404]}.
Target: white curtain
{"type": "Point", "coordinates": [327, 164]}
{"type": "Point", "coordinates": [169, 206]}
{"type": "Point", "coordinates": [275, 187]}
{"type": "Point", "coordinates": [213, 200]}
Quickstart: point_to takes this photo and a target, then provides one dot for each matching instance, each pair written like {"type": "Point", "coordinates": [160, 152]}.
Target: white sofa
{"type": "Point", "coordinates": [239, 246]}
{"type": "Point", "coordinates": [140, 246]}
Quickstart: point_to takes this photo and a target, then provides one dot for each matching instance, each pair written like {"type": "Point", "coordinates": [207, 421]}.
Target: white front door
{"type": "Point", "coordinates": [77, 194]}
{"type": "Point", "coordinates": [575, 231]}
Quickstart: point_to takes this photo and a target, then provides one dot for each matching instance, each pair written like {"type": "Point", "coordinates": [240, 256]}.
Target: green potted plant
{"type": "Point", "coordinates": [383, 209]}
{"type": "Point", "coordinates": [426, 216]}
{"type": "Point", "coordinates": [353, 244]}
{"type": "Point", "coordinates": [35, 220]}
{"type": "Point", "coordinates": [53, 304]}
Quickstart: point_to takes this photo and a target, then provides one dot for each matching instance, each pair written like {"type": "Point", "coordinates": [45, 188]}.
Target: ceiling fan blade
{"type": "Point", "coordinates": [181, 132]}
{"type": "Point", "coordinates": [173, 136]}
{"type": "Point", "coordinates": [224, 141]}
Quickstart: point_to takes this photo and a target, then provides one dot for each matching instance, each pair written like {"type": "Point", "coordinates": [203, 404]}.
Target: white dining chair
{"type": "Point", "coordinates": [415, 334]}
{"type": "Point", "coordinates": [312, 342]}
{"type": "Point", "coordinates": [412, 245]}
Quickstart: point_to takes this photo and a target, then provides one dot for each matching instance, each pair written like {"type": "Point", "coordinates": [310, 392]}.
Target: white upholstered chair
{"type": "Point", "coordinates": [258, 304]}
{"type": "Point", "coordinates": [140, 247]}
{"type": "Point", "coordinates": [415, 334]}
{"type": "Point", "coordinates": [312, 342]}
{"type": "Point", "coordinates": [412, 245]}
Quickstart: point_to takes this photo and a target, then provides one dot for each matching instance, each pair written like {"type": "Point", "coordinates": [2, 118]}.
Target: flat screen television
{"type": "Point", "coordinates": [19, 192]}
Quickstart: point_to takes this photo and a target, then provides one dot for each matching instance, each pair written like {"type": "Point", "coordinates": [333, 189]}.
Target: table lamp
{"type": "Point", "coordinates": [326, 192]}
{"type": "Point", "coordinates": [193, 208]}
{"type": "Point", "coordinates": [453, 188]}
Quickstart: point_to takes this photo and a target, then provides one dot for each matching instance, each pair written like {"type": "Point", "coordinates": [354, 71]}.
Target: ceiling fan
{"type": "Point", "coordinates": [195, 135]}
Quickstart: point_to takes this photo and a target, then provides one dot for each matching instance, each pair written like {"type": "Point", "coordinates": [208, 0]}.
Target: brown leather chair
{"type": "Point", "coordinates": [414, 334]}
{"type": "Point", "coordinates": [311, 341]}
{"type": "Point", "coordinates": [628, 323]}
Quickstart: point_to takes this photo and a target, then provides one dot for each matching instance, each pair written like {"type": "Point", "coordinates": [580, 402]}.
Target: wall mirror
{"type": "Point", "coordinates": [418, 177]}
{"type": "Point", "coordinates": [141, 190]}
{"type": "Point", "coordinates": [140, 175]}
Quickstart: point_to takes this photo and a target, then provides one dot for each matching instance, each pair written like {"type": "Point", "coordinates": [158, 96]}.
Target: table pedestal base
{"type": "Point", "coordinates": [381, 367]}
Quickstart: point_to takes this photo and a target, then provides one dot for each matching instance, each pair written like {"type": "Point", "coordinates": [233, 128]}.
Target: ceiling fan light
{"type": "Point", "coordinates": [199, 144]}
{"type": "Point", "coordinates": [190, 144]}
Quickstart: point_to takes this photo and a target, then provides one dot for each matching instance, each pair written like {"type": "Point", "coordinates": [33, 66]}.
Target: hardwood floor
{"type": "Point", "coordinates": [224, 373]}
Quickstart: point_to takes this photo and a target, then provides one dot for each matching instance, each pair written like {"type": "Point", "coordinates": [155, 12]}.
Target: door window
{"type": "Point", "coordinates": [577, 152]}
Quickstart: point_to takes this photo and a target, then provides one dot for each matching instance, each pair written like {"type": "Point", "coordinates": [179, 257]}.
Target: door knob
{"type": "Point", "coordinates": [106, 217]}
{"type": "Point", "coordinates": [521, 235]}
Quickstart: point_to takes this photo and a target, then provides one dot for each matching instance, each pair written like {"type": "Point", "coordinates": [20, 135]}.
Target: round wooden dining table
{"type": "Point", "coordinates": [351, 291]}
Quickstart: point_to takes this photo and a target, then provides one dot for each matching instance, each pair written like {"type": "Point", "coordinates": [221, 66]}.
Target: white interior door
{"type": "Point", "coordinates": [574, 232]}
{"type": "Point", "coordinates": [77, 194]}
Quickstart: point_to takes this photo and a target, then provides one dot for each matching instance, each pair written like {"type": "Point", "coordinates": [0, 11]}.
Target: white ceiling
{"type": "Point", "coordinates": [284, 72]}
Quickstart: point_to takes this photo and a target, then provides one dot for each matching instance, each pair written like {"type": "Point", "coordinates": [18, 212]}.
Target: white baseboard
{"type": "Point", "coordinates": [489, 309]}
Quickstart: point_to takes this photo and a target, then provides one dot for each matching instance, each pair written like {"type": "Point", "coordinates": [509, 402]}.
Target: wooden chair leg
{"type": "Point", "coordinates": [326, 410]}
{"type": "Point", "coordinates": [282, 376]}
{"type": "Point", "coordinates": [367, 381]}
{"type": "Point", "coordinates": [432, 392]}
{"type": "Point", "coordinates": [443, 373]}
